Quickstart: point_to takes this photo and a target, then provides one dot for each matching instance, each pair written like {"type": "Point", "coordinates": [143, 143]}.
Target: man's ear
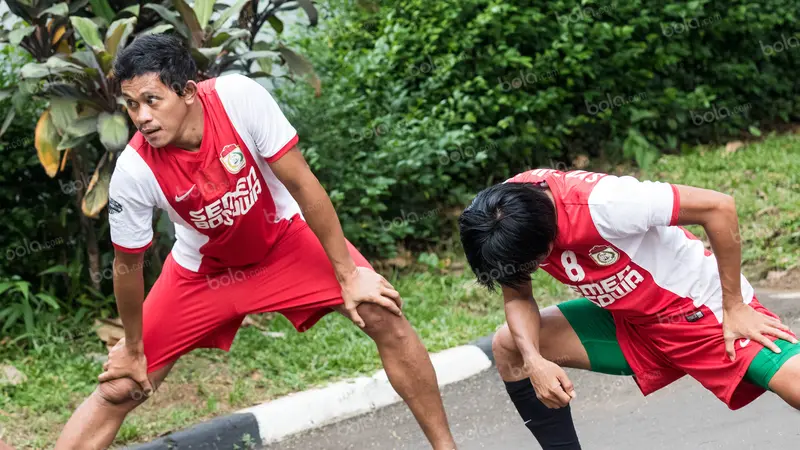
{"type": "Point", "coordinates": [190, 92]}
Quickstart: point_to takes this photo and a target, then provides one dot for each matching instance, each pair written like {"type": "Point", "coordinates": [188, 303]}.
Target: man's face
{"type": "Point", "coordinates": [156, 110]}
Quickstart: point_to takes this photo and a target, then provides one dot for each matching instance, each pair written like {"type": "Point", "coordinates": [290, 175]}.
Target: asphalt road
{"type": "Point", "coordinates": [610, 414]}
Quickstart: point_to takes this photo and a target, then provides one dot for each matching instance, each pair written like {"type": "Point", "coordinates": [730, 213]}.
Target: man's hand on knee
{"type": "Point", "coordinates": [126, 362]}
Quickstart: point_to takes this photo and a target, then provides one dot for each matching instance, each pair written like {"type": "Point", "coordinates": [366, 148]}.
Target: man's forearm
{"type": "Point", "coordinates": [129, 292]}
{"type": "Point", "coordinates": [524, 322]}
{"type": "Point", "coordinates": [723, 234]}
{"type": "Point", "coordinates": [323, 221]}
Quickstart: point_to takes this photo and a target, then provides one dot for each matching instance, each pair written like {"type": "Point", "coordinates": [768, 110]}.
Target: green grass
{"type": "Point", "coordinates": [444, 305]}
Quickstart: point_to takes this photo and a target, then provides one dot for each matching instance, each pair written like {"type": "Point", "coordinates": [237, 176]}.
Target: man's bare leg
{"type": "Point", "coordinates": [785, 384]}
{"type": "Point", "coordinates": [558, 343]}
{"type": "Point", "coordinates": [409, 370]}
{"type": "Point", "coordinates": [97, 420]}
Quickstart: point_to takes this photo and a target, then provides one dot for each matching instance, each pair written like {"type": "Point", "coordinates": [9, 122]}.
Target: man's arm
{"type": "Point", "coordinates": [129, 292]}
{"type": "Point", "coordinates": [357, 285]}
{"type": "Point", "coordinates": [127, 358]}
{"type": "Point", "coordinates": [716, 213]}
{"type": "Point", "coordinates": [524, 321]}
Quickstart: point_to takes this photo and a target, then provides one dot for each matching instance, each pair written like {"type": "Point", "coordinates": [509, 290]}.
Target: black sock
{"type": "Point", "coordinates": [553, 428]}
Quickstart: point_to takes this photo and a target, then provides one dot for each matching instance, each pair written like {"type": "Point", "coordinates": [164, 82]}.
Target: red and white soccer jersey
{"type": "Point", "coordinates": [227, 205]}
{"type": "Point", "coordinates": [242, 245]}
{"type": "Point", "coordinates": [618, 246]}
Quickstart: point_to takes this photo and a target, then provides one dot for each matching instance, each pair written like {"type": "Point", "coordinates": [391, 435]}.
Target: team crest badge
{"type": "Point", "coordinates": [232, 157]}
{"type": "Point", "coordinates": [604, 255]}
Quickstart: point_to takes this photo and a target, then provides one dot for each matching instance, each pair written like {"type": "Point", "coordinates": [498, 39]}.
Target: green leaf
{"type": "Point", "coordinates": [9, 118]}
{"type": "Point", "coordinates": [88, 31]}
{"type": "Point", "coordinates": [96, 197]}
{"type": "Point", "coordinates": [59, 9]}
{"type": "Point", "coordinates": [70, 141]}
{"type": "Point", "coordinates": [118, 33]}
{"type": "Point", "coordinates": [191, 22]}
{"type": "Point", "coordinates": [310, 10]}
{"type": "Point", "coordinates": [257, 54]}
{"type": "Point", "coordinates": [103, 9]}
{"type": "Point", "coordinates": [754, 131]}
{"type": "Point", "coordinates": [203, 10]}
{"type": "Point", "coordinates": [113, 129]}
{"type": "Point", "coordinates": [34, 70]}
{"type": "Point", "coordinates": [276, 24]}
{"type": "Point", "coordinates": [225, 38]}
{"type": "Point", "coordinates": [83, 126]}
{"type": "Point", "coordinates": [16, 36]}
{"type": "Point", "coordinates": [49, 299]}
{"type": "Point", "coordinates": [158, 29]}
{"type": "Point", "coordinates": [134, 10]}
{"type": "Point", "coordinates": [64, 112]}
{"type": "Point", "coordinates": [171, 17]}
{"type": "Point", "coordinates": [227, 14]}
{"type": "Point", "coordinates": [55, 269]}
{"type": "Point", "coordinates": [6, 286]}
{"type": "Point", "coordinates": [59, 65]}
{"type": "Point", "coordinates": [301, 66]}
{"type": "Point", "coordinates": [4, 94]}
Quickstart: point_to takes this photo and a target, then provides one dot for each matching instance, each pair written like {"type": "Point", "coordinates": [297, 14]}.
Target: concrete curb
{"type": "Point", "coordinates": [278, 419]}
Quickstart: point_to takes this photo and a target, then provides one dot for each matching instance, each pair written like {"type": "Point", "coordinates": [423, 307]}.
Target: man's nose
{"type": "Point", "coordinates": [144, 116]}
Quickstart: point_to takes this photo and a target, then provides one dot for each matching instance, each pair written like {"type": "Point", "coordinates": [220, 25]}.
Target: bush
{"type": "Point", "coordinates": [424, 103]}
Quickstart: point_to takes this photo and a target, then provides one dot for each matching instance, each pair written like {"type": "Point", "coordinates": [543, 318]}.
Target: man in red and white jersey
{"type": "Point", "coordinates": [656, 304]}
{"type": "Point", "coordinates": [255, 232]}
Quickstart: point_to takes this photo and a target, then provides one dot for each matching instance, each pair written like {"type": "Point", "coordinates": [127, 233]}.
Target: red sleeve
{"type": "Point", "coordinates": [289, 145]}
{"type": "Point", "coordinates": [676, 205]}
{"type": "Point", "coordinates": [132, 250]}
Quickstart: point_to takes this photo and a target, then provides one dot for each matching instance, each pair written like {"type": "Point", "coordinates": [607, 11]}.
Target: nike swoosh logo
{"type": "Point", "coordinates": [744, 342]}
{"type": "Point", "coordinates": [183, 197]}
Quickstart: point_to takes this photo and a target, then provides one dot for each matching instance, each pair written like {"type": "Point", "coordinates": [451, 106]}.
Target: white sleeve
{"type": "Point", "coordinates": [130, 213]}
{"type": "Point", "coordinates": [625, 206]}
{"type": "Point", "coordinates": [252, 108]}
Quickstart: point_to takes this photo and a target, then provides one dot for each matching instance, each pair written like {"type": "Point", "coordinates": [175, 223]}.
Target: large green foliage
{"type": "Point", "coordinates": [427, 102]}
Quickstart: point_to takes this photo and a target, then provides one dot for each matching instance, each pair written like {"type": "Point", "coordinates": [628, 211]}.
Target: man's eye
{"type": "Point", "coordinates": [131, 104]}
{"type": "Point", "coordinates": [151, 100]}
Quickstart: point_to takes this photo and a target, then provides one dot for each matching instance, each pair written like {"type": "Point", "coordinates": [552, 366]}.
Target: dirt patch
{"type": "Point", "coordinates": [783, 280]}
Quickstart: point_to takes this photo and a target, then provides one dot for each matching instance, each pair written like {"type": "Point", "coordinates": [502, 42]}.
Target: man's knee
{"type": "Point", "coordinates": [380, 322]}
{"type": "Point", "coordinates": [507, 358]}
{"type": "Point", "coordinates": [120, 392]}
{"type": "Point", "coordinates": [503, 345]}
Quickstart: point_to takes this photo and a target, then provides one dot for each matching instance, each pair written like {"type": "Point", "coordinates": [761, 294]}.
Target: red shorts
{"type": "Point", "coordinates": [663, 349]}
{"type": "Point", "coordinates": [186, 310]}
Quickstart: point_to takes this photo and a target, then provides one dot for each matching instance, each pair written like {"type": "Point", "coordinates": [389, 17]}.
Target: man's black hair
{"type": "Point", "coordinates": [157, 53]}
{"type": "Point", "coordinates": [506, 231]}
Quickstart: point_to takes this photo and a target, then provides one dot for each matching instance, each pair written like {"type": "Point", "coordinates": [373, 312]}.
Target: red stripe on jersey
{"type": "Point", "coordinates": [289, 145]}
{"type": "Point", "coordinates": [676, 205]}
{"type": "Point", "coordinates": [132, 250]}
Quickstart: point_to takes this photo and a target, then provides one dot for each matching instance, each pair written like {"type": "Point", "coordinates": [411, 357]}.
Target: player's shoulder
{"type": "Point", "coordinates": [571, 187]}
{"type": "Point", "coordinates": [132, 161]}
{"type": "Point", "coordinates": [234, 85]}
